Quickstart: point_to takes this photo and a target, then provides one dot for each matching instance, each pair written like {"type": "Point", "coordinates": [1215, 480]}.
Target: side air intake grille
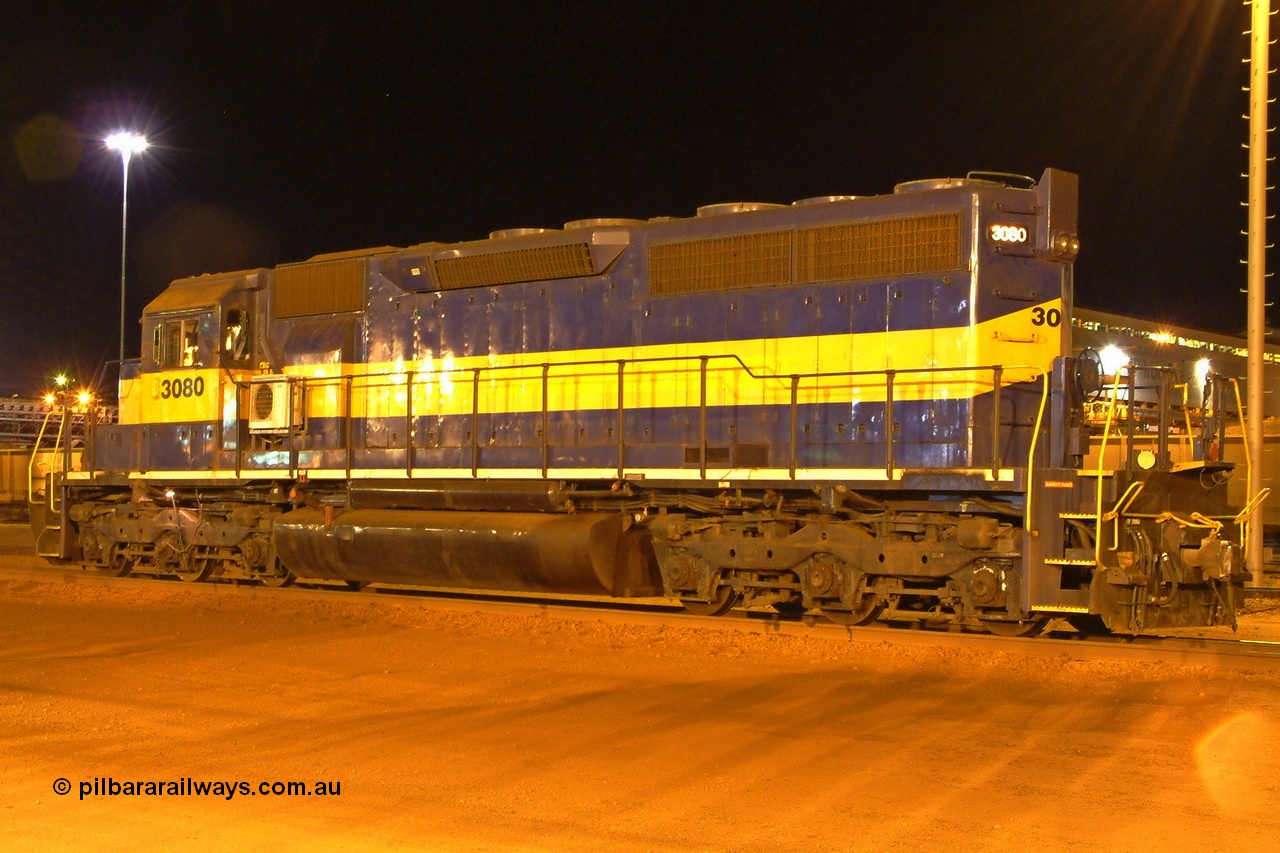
{"type": "Point", "coordinates": [908, 245]}
{"type": "Point", "coordinates": [537, 264]}
{"type": "Point", "coordinates": [885, 247]}
{"type": "Point", "coordinates": [720, 263]}
{"type": "Point", "coordinates": [326, 287]}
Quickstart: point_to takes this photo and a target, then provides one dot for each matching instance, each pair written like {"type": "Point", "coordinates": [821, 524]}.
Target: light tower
{"type": "Point", "coordinates": [127, 144]}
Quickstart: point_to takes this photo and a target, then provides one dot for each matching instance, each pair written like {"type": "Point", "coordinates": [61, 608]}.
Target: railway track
{"type": "Point", "coordinates": [1063, 644]}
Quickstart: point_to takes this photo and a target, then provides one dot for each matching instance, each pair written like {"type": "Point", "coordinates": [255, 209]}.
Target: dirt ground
{"type": "Point", "coordinates": [454, 731]}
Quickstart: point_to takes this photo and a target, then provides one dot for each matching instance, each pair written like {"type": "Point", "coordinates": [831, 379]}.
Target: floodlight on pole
{"type": "Point", "coordinates": [127, 144]}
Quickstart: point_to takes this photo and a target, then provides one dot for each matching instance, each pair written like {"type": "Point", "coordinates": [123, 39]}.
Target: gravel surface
{"type": "Point", "coordinates": [451, 730]}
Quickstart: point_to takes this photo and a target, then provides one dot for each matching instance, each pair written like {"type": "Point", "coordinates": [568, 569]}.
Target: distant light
{"type": "Point", "coordinates": [61, 380]}
{"type": "Point", "coordinates": [1202, 371]}
{"type": "Point", "coordinates": [1162, 337]}
{"type": "Point", "coordinates": [127, 143]}
{"type": "Point", "coordinates": [49, 399]}
{"type": "Point", "coordinates": [1113, 359]}
{"type": "Point", "coordinates": [84, 398]}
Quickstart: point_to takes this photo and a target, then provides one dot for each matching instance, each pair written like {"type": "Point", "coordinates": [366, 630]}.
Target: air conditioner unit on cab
{"type": "Point", "coordinates": [271, 409]}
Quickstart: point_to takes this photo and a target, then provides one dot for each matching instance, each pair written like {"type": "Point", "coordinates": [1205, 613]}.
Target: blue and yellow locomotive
{"type": "Point", "coordinates": [866, 407]}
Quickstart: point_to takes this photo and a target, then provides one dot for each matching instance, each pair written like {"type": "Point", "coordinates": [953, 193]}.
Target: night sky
{"type": "Point", "coordinates": [287, 129]}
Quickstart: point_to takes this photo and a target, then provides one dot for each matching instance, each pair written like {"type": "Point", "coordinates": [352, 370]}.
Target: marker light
{"type": "Point", "coordinates": [1066, 245]}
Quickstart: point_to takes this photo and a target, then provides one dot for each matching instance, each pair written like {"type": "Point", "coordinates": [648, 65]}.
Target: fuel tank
{"type": "Point", "coordinates": [579, 553]}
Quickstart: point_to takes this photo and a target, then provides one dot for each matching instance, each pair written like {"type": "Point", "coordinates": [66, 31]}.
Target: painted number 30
{"type": "Point", "coordinates": [1046, 317]}
{"type": "Point", "coordinates": [188, 387]}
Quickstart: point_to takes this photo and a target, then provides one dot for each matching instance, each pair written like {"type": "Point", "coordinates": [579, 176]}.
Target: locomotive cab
{"type": "Point", "coordinates": [198, 323]}
{"type": "Point", "coordinates": [178, 400]}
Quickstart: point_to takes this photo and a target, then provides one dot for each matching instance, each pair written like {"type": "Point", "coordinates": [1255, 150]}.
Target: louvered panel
{"type": "Point", "coordinates": [721, 263]}
{"type": "Point", "coordinates": [537, 264]}
{"type": "Point", "coordinates": [326, 287]}
{"type": "Point", "coordinates": [909, 245]}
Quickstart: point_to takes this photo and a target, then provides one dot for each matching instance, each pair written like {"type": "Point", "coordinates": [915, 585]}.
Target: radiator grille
{"type": "Point", "coordinates": [327, 287]}
{"type": "Point", "coordinates": [908, 245]}
{"type": "Point", "coordinates": [720, 263]}
{"type": "Point", "coordinates": [885, 247]}
{"type": "Point", "coordinates": [544, 262]}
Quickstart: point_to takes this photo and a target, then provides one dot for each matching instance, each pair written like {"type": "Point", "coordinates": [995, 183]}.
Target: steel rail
{"type": "Point", "coordinates": [1060, 645]}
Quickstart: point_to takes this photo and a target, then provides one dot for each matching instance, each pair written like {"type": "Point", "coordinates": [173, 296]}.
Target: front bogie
{"type": "Point", "coordinates": [187, 537]}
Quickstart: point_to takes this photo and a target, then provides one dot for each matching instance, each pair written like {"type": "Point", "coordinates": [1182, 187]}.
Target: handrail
{"type": "Point", "coordinates": [892, 379]}
{"type": "Point", "coordinates": [1248, 510]}
{"type": "Point", "coordinates": [1204, 521]}
{"type": "Point", "coordinates": [1253, 504]}
{"type": "Point", "coordinates": [702, 418]}
{"type": "Point", "coordinates": [622, 423]}
{"type": "Point", "coordinates": [794, 449]}
{"type": "Point", "coordinates": [754, 374]}
{"type": "Point", "coordinates": [1102, 456]}
{"type": "Point", "coordinates": [1243, 518]}
{"type": "Point", "coordinates": [546, 419]}
{"type": "Point", "coordinates": [240, 422]}
{"type": "Point", "coordinates": [1244, 426]}
{"type": "Point", "coordinates": [1197, 520]}
{"type": "Point", "coordinates": [408, 425]}
{"type": "Point", "coordinates": [62, 442]}
{"type": "Point", "coordinates": [348, 434]}
{"type": "Point", "coordinates": [1131, 449]}
{"type": "Point", "coordinates": [1126, 500]}
{"type": "Point", "coordinates": [997, 375]}
{"type": "Point", "coordinates": [294, 420]}
{"type": "Point", "coordinates": [475, 421]}
{"type": "Point", "coordinates": [31, 463]}
{"type": "Point", "coordinates": [889, 423]}
{"type": "Point", "coordinates": [1186, 416]}
{"type": "Point", "coordinates": [1028, 521]}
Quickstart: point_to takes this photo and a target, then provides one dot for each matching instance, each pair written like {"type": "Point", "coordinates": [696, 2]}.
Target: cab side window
{"type": "Point", "coordinates": [235, 336]}
{"type": "Point", "coordinates": [176, 343]}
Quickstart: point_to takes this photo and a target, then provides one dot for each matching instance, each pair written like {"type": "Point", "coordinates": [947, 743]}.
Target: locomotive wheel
{"type": "Point", "coordinates": [119, 565]}
{"type": "Point", "coordinates": [869, 608]}
{"type": "Point", "coordinates": [193, 568]}
{"type": "Point", "coordinates": [718, 606]}
{"type": "Point", "coordinates": [173, 559]}
{"type": "Point", "coordinates": [1001, 628]}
